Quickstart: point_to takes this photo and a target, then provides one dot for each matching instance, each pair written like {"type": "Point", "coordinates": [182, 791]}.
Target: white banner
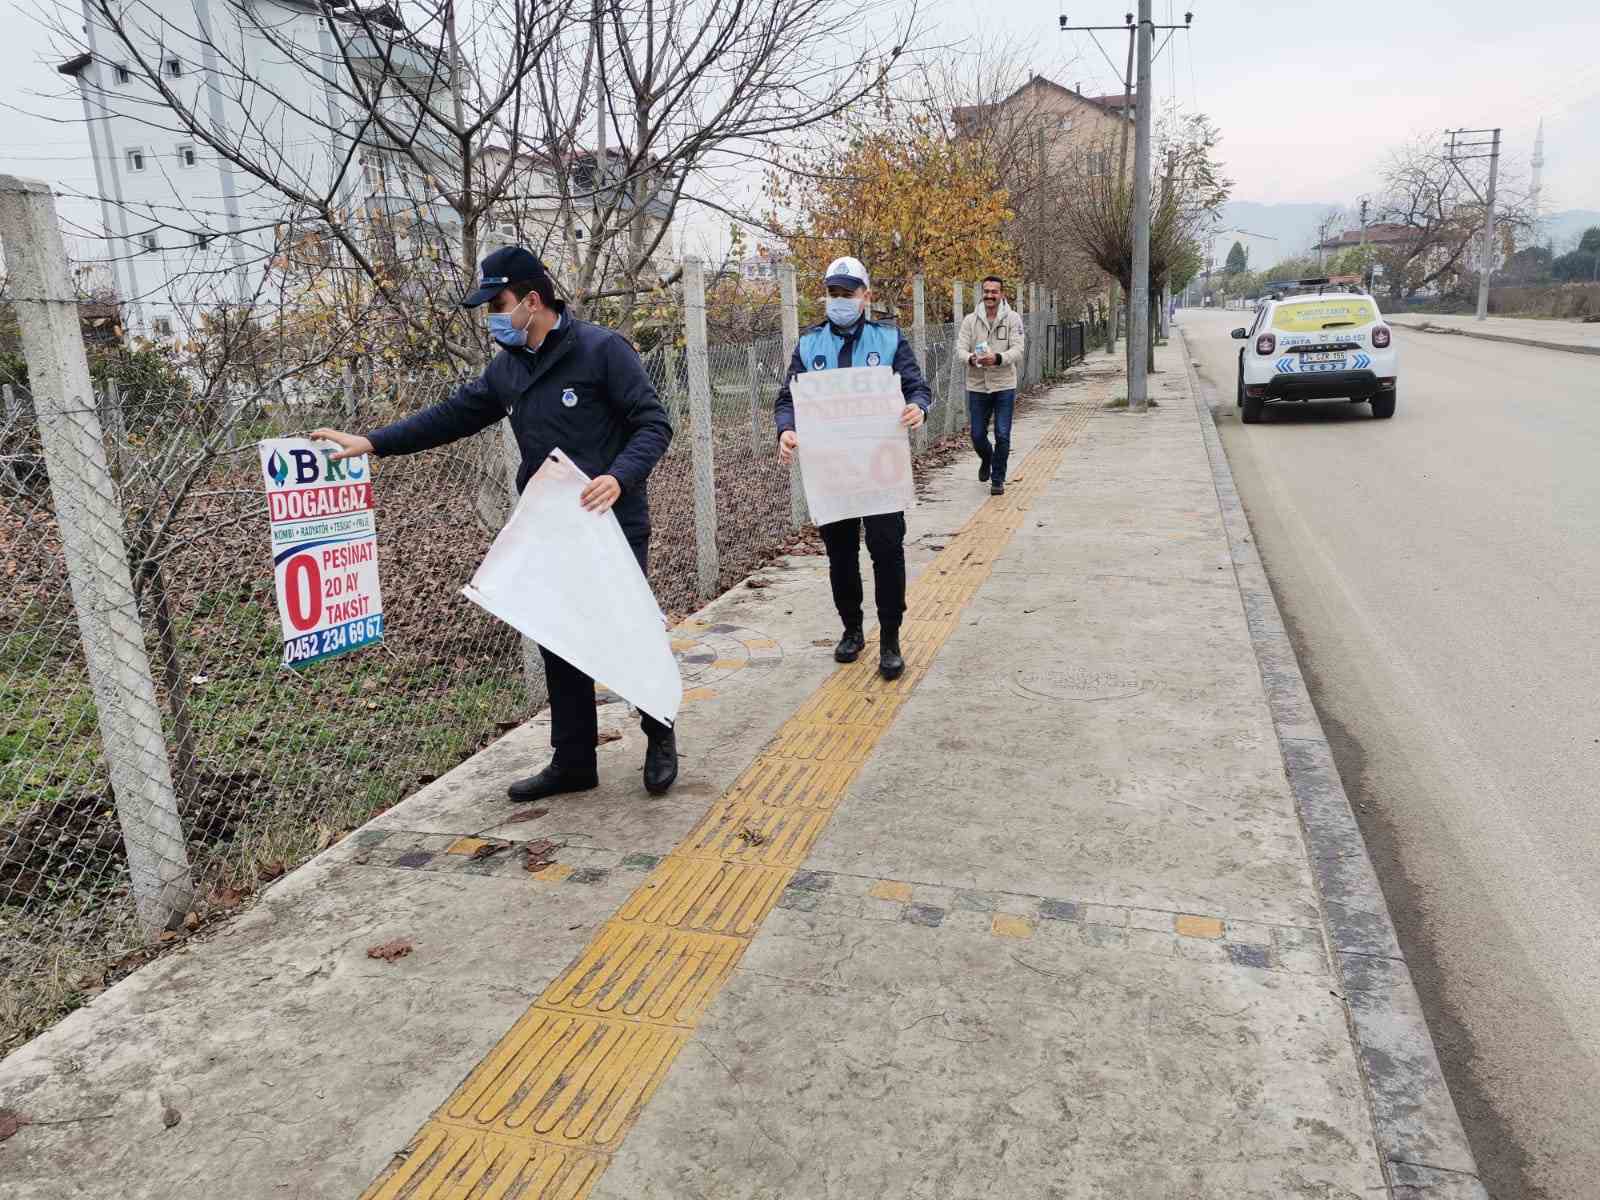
{"type": "Point", "coordinates": [855, 457]}
{"type": "Point", "coordinates": [568, 579]}
{"type": "Point", "coordinates": [324, 549]}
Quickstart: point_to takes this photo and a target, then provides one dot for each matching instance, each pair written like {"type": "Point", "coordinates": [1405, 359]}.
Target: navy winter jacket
{"type": "Point", "coordinates": [583, 390]}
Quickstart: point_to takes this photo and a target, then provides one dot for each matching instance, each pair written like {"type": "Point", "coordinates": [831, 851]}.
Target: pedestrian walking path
{"type": "Point", "coordinates": [1036, 920]}
{"type": "Point", "coordinates": [1573, 336]}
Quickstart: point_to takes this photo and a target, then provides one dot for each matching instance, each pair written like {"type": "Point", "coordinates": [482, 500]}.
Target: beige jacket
{"type": "Point", "coordinates": [1004, 337]}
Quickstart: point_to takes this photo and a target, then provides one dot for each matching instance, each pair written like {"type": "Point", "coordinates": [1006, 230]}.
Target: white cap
{"type": "Point", "coordinates": [847, 272]}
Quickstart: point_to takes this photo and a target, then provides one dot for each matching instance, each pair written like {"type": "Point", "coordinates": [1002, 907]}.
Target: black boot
{"type": "Point", "coordinates": [983, 471]}
{"type": "Point", "coordinates": [661, 763]}
{"type": "Point", "coordinates": [890, 663]}
{"type": "Point", "coordinates": [553, 781]}
{"type": "Point", "coordinates": [998, 488]}
{"type": "Point", "coordinates": [850, 645]}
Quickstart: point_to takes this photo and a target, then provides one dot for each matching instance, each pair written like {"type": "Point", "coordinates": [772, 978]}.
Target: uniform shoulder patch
{"type": "Point", "coordinates": [818, 362]}
{"type": "Point", "coordinates": [873, 358]}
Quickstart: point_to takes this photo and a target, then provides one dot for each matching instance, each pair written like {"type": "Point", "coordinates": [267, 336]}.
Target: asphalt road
{"type": "Point", "coordinates": [1440, 573]}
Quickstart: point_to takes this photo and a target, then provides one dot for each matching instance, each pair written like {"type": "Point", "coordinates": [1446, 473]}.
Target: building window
{"type": "Point", "coordinates": [173, 68]}
{"type": "Point", "coordinates": [147, 243]}
{"type": "Point", "coordinates": [162, 326]}
{"type": "Point", "coordinates": [121, 73]}
{"type": "Point", "coordinates": [135, 160]}
{"type": "Point", "coordinates": [187, 157]}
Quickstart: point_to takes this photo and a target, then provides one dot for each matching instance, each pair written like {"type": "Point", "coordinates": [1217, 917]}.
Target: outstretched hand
{"type": "Point", "coordinates": [351, 445]}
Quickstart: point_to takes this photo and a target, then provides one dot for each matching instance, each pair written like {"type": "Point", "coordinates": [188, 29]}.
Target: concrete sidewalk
{"type": "Point", "coordinates": [1040, 920]}
{"type": "Point", "coordinates": [1570, 336]}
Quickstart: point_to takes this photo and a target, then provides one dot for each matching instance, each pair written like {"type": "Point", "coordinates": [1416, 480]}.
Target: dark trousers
{"type": "Point", "coordinates": [886, 544]}
{"type": "Point", "coordinates": [999, 405]}
{"type": "Point", "coordinates": [574, 724]}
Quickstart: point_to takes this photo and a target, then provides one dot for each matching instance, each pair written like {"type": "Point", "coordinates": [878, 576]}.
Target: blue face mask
{"type": "Point", "coordinates": [503, 331]}
{"type": "Point", "coordinates": [843, 311]}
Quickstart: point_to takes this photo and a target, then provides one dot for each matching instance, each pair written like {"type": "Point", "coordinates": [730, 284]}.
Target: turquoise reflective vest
{"type": "Point", "coordinates": [874, 346]}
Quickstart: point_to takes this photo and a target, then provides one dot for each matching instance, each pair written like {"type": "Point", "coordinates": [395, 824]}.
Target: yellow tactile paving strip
{"type": "Point", "coordinates": [541, 1115]}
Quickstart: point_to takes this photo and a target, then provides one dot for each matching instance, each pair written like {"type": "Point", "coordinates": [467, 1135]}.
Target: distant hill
{"type": "Point", "coordinates": [1284, 230]}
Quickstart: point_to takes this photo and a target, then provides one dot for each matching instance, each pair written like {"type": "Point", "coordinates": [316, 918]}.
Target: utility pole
{"type": "Point", "coordinates": [1456, 146]}
{"type": "Point", "coordinates": [1139, 292]}
{"type": "Point", "coordinates": [1365, 273]}
{"type": "Point", "coordinates": [1139, 296]}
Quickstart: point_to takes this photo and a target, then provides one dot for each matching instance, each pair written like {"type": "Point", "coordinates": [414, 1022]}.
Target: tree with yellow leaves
{"type": "Point", "coordinates": [905, 199]}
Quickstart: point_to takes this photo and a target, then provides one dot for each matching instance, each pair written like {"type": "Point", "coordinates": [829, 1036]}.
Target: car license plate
{"type": "Point", "coordinates": [1332, 357]}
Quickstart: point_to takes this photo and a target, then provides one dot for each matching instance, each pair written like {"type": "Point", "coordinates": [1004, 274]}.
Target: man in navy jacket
{"type": "Point", "coordinates": [848, 339]}
{"type": "Point", "coordinates": [567, 383]}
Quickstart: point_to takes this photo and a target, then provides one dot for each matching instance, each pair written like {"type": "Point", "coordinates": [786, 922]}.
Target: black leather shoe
{"type": "Point", "coordinates": [552, 781]}
{"type": "Point", "coordinates": [890, 663]}
{"type": "Point", "coordinates": [849, 647]}
{"type": "Point", "coordinates": [997, 489]}
{"type": "Point", "coordinates": [661, 763]}
{"type": "Point", "coordinates": [983, 472]}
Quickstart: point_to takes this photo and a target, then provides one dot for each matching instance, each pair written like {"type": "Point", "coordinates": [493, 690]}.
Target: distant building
{"type": "Point", "coordinates": [1376, 235]}
{"type": "Point", "coordinates": [1066, 122]}
{"type": "Point", "coordinates": [762, 266]}
{"type": "Point", "coordinates": [532, 214]}
{"type": "Point", "coordinates": [189, 229]}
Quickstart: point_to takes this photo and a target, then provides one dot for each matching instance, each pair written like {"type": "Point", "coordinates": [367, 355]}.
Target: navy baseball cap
{"type": "Point", "coordinates": [500, 269]}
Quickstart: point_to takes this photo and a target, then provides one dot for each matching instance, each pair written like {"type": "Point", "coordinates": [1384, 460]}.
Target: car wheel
{"type": "Point", "coordinates": [1383, 405]}
{"type": "Point", "coordinates": [1253, 407]}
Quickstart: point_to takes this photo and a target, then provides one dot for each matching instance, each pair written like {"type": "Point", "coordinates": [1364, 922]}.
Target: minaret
{"type": "Point", "coordinates": [1538, 176]}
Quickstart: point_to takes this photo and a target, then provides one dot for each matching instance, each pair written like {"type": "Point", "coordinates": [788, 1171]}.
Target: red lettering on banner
{"type": "Point", "coordinates": [304, 504]}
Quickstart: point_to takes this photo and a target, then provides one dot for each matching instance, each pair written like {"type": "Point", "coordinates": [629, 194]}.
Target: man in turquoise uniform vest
{"type": "Point", "coordinates": [848, 339]}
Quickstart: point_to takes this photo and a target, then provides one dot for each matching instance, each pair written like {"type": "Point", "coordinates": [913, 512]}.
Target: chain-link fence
{"type": "Point", "coordinates": [155, 758]}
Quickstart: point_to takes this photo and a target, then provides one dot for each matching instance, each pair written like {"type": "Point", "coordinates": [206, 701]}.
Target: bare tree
{"type": "Point", "coordinates": [688, 93]}
{"type": "Point", "coordinates": [1426, 196]}
{"type": "Point", "coordinates": [1096, 210]}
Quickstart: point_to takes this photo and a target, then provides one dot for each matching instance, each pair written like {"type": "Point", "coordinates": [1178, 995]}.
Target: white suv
{"type": "Point", "coordinates": [1317, 341]}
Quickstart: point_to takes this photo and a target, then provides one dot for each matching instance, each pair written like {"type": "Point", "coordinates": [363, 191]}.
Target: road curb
{"type": "Point", "coordinates": [1427, 327]}
{"type": "Point", "coordinates": [1415, 1125]}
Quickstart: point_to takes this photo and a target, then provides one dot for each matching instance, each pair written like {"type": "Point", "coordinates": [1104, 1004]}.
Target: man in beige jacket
{"type": "Point", "coordinates": [991, 344]}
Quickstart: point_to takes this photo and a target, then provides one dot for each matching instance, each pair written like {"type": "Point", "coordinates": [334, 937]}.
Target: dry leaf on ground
{"type": "Point", "coordinates": [392, 950]}
{"type": "Point", "coordinates": [10, 1122]}
{"type": "Point", "coordinates": [541, 853]}
{"type": "Point", "coordinates": [607, 735]}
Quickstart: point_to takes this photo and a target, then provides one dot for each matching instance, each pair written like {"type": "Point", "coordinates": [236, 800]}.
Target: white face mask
{"type": "Point", "coordinates": [843, 311]}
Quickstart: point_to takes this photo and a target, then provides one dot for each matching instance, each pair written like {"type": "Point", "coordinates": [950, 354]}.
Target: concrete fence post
{"type": "Point", "coordinates": [789, 296]}
{"type": "Point", "coordinates": [91, 531]}
{"type": "Point", "coordinates": [919, 347]}
{"type": "Point", "coordinates": [958, 366]}
{"type": "Point", "coordinates": [705, 480]}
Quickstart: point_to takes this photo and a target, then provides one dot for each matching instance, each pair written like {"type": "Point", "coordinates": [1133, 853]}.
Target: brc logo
{"type": "Point", "coordinates": [310, 468]}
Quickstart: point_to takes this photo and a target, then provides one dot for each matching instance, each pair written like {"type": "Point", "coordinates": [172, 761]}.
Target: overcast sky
{"type": "Point", "coordinates": [1309, 96]}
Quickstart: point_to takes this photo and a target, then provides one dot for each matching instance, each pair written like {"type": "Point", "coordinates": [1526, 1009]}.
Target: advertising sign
{"type": "Point", "coordinates": [324, 549]}
{"type": "Point", "coordinates": [855, 457]}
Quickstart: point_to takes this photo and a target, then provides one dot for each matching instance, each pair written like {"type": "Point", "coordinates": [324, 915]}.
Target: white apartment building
{"type": "Point", "coordinates": [188, 229]}
{"type": "Point", "coordinates": [530, 212]}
